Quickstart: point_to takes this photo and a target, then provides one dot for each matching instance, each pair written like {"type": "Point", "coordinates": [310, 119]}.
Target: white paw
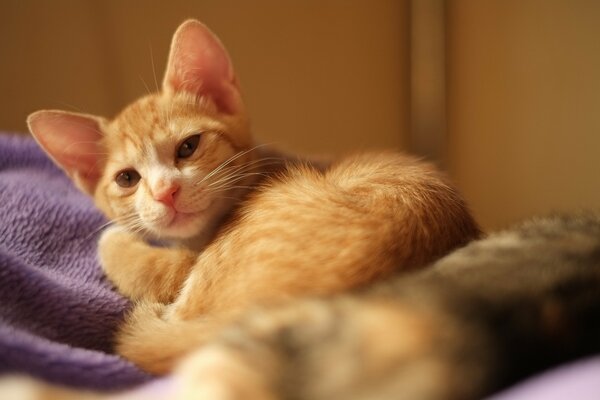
{"type": "Point", "coordinates": [112, 234]}
{"type": "Point", "coordinates": [111, 245]}
{"type": "Point", "coordinates": [20, 387]}
{"type": "Point", "coordinates": [217, 373]}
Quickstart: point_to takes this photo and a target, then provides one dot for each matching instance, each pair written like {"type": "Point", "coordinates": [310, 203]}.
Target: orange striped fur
{"type": "Point", "coordinates": [243, 225]}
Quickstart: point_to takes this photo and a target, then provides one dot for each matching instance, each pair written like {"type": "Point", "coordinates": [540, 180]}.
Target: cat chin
{"type": "Point", "coordinates": [180, 226]}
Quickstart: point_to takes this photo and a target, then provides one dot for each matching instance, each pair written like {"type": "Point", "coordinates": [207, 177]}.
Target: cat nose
{"type": "Point", "coordinates": [166, 194]}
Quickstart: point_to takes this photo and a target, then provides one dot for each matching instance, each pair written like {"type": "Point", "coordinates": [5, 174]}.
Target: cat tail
{"type": "Point", "coordinates": [155, 340]}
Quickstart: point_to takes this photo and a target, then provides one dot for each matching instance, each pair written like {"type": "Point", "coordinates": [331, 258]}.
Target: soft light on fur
{"type": "Point", "coordinates": [477, 320]}
{"type": "Point", "coordinates": [244, 225]}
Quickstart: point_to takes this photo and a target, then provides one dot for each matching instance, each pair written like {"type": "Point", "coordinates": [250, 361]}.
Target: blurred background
{"type": "Point", "coordinates": [502, 94]}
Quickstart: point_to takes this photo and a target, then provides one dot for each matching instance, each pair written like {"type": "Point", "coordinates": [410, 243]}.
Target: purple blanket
{"type": "Point", "coordinates": [57, 311]}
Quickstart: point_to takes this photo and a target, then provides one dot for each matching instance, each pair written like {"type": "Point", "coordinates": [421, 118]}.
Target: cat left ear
{"type": "Point", "coordinates": [199, 64]}
{"type": "Point", "coordinates": [73, 142]}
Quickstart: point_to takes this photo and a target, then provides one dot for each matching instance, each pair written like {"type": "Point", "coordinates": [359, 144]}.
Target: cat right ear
{"type": "Point", "coordinates": [199, 64]}
{"type": "Point", "coordinates": [73, 142]}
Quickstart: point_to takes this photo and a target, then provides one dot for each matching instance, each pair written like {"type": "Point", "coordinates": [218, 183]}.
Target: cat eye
{"type": "Point", "coordinates": [127, 178]}
{"type": "Point", "coordinates": [188, 147]}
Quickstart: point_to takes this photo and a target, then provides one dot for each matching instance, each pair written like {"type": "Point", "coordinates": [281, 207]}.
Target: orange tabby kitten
{"type": "Point", "coordinates": [243, 225]}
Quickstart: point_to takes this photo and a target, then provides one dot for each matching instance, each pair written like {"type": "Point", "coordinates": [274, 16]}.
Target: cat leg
{"type": "Point", "coordinates": [26, 388]}
{"type": "Point", "coordinates": [142, 271]}
{"type": "Point", "coordinates": [344, 348]}
{"type": "Point", "coordinates": [156, 339]}
{"type": "Point", "coordinates": [219, 373]}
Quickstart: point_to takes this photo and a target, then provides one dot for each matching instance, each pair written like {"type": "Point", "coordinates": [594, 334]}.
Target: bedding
{"type": "Point", "coordinates": [578, 381]}
{"type": "Point", "coordinates": [58, 313]}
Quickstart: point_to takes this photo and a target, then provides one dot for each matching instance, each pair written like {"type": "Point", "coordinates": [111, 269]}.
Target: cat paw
{"type": "Point", "coordinates": [112, 249]}
{"type": "Point", "coordinates": [112, 233]}
{"type": "Point", "coordinates": [13, 387]}
{"type": "Point", "coordinates": [26, 388]}
{"type": "Point", "coordinates": [112, 241]}
{"type": "Point", "coordinates": [218, 373]}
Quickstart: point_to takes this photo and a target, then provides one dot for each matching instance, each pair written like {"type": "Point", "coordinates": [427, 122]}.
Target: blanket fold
{"type": "Point", "coordinates": [58, 313]}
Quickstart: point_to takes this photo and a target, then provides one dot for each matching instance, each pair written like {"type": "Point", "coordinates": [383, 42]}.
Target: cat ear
{"type": "Point", "coordinates": [73, 142]}
{"type": "Point", "coordinates": [199, 64]}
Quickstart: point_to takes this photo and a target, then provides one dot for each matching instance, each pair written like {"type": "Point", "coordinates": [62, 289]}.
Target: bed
{"type": "Point", "coordinates": [58, 313]}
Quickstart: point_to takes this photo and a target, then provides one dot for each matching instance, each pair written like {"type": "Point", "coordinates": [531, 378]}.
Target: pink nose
{"type": "Point", "coordinates": [166, 195]}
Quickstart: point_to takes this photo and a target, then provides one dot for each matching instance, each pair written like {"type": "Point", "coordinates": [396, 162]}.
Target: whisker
{"type": "Point", "coordinates": [223, 189]}
{"type": "Point", "coordinates": [233, 169]}
{"type": "Point", "coordinates": [153, 67]}
{"type": "Point", "coordinates": [244, 169]}
{"type": "Point", "coordinates": [227, 197]}
{"type": "Point", "coordinates": [71, 106]}
{"type": "Point", "coordinates": [145, 85]}
{"type": "Point", "coordinates": [233, 179]}
{"type": "Point", "coordinates": [261, 162]}
{"type": "Point", "coordinates": [119, 220]}
{"type": "Point", "coordinates": [230, 160]}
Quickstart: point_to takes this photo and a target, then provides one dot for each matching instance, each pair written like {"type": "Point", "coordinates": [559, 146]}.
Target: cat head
{"type": "Point", "coordinates": [170, 162]}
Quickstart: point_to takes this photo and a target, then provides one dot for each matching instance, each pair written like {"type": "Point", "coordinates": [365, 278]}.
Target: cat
{"type": "Point", "coordinates": [477, 320]}
{"type": "Point", "coordinates": [208, 224]}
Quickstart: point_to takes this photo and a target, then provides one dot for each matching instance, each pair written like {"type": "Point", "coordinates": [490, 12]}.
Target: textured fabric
{"type": "Point", "coordinates": [57, 311]}
{"type": "Point", "coordinates": [58, 314]}
{"type": "Point", "coordinates": [577, 381]}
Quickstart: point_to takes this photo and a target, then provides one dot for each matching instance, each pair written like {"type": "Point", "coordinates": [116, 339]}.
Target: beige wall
{"type": "Point", "coordinates": [318, 76]}
{"type": "Point", "coordinates": [524, 105]}
{"type": "Point", "coordinates": [522, 80]}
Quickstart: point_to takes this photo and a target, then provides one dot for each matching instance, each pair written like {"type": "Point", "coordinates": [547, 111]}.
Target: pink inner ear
{"type": "Point", "coordinates": [73, 142]}
{"type": "Point", "coordinates": [199, 64]}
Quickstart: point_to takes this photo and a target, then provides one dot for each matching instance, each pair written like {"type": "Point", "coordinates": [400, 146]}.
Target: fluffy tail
{"type": "Point", "coordinates": [310, 233]}
{"type": "Point", "coordinates": [155, 340]}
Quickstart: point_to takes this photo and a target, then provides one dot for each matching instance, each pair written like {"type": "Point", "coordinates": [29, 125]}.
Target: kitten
{"type": "Point", "coordinates": [475, 321]}
{"type": "Point", "coordinates": [243, 225]}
